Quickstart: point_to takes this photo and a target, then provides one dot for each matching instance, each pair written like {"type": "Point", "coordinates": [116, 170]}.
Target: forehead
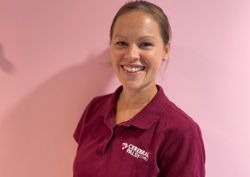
{"type": "Point", "coordinates": [136, 22]}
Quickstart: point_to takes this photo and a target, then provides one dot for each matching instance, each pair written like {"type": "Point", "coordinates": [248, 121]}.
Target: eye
{"type": "Point", "coordinates": [121, 43]}
{"type": "Point", "coordinates": [146, 45]}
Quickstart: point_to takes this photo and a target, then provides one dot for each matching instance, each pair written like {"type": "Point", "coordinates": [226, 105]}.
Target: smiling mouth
{"type": "Point", "coordinates": [133, 69]}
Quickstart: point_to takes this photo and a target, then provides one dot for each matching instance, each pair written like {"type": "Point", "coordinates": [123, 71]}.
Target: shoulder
{"type": "Point", "coordinates": [103, 104]}
{"type": "Point", "coordinates": [99, 100]}
{"type": "Point", "coordinates": [93, 108]}
{"type": "Point", "coordinates": [174, 117]}
{"type": "Point", "coordinates": [175, 124]}
{"type": "Point", "coordinates": [97, 103]}
{"type": "Point", "coordinates": [171, 117]}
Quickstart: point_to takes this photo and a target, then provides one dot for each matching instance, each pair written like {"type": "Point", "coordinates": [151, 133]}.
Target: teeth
{"type": "Point", "coordinates": [133, 69]}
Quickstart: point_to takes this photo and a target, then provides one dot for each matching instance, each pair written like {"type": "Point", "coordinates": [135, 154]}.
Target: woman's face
{"type": "Point", "coordinates": [137, 50]}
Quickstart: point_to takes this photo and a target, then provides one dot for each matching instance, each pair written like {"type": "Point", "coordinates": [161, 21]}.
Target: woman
{"type": "Point", "coordinates": [137, 131]}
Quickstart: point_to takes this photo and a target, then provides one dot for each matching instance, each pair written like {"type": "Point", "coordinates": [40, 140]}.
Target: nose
{"type": "Point", "coordinates": [132, 53]}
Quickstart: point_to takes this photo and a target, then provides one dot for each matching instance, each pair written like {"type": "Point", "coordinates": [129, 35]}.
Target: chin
{"type": "Point", "coordinates": [136, 86]}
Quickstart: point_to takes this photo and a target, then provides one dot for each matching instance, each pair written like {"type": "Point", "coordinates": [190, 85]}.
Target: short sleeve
{"type": "Point", "coordinates": [80, 125]}
{"type": "Point", "coordinates": [185, 156]}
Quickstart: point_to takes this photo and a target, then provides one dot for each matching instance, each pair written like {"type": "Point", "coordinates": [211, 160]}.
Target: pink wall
{"type": "Point", "coordinates": [53, 57]}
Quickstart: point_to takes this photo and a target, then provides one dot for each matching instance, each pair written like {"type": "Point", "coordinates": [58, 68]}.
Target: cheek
{"type": "Point", "coordinates": [157, 67]}
{"type": "Point", "coordinates": [153, 61]}
{"type": "Point", "coordinates": [114, 63]}
{"type": "Point", "coordinates": [112, 56]}
{"type": "Point", "coordinates": [115, 55]}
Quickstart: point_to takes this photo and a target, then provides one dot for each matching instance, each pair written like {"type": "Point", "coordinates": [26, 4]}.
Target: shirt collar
{"type": "Point", "coordinates": [145, 118]}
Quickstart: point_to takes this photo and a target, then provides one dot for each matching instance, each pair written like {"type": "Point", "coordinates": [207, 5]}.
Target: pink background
{"type": "Point", "coordinates": [53, 60]}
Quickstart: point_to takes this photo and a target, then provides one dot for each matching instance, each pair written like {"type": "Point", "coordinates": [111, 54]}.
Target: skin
{"type": "Point", "coordinates": [136, 45]}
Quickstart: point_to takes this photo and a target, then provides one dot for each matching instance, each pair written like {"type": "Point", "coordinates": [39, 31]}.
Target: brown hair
{"type": "Point", "coordinates": [155, 11]}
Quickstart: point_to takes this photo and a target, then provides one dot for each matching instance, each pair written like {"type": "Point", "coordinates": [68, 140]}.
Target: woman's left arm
{"type": "Point", "coordinates": [185, 156]}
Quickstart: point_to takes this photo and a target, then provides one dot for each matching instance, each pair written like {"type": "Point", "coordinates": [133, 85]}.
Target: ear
{"type": "Point", "coordinates": [167, 51]}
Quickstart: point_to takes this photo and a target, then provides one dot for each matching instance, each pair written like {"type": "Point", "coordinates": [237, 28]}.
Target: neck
{"type": "Point", "coordinates": [134, 99]}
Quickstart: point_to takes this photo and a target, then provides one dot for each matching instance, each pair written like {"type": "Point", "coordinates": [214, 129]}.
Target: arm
{"type": "Point", "coordinates": [184, 156]}
{"type": "Point", "coordinates": [80, 124]}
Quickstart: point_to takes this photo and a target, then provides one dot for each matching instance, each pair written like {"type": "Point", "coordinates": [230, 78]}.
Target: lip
{"type": "Point", "coordinates": [132, 74]}
{"type": "Point", "coordinates": [133, 65]}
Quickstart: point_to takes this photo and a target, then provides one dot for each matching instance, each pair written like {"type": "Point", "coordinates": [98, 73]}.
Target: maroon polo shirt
{"type": "Point", "coordinates": [160, 141]}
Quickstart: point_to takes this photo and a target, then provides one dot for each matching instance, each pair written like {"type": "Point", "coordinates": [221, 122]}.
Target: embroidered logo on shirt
{"type": "Point", "coordinates": [124, 146]}
{"type": "Point", "coordinates": [135, 151]}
